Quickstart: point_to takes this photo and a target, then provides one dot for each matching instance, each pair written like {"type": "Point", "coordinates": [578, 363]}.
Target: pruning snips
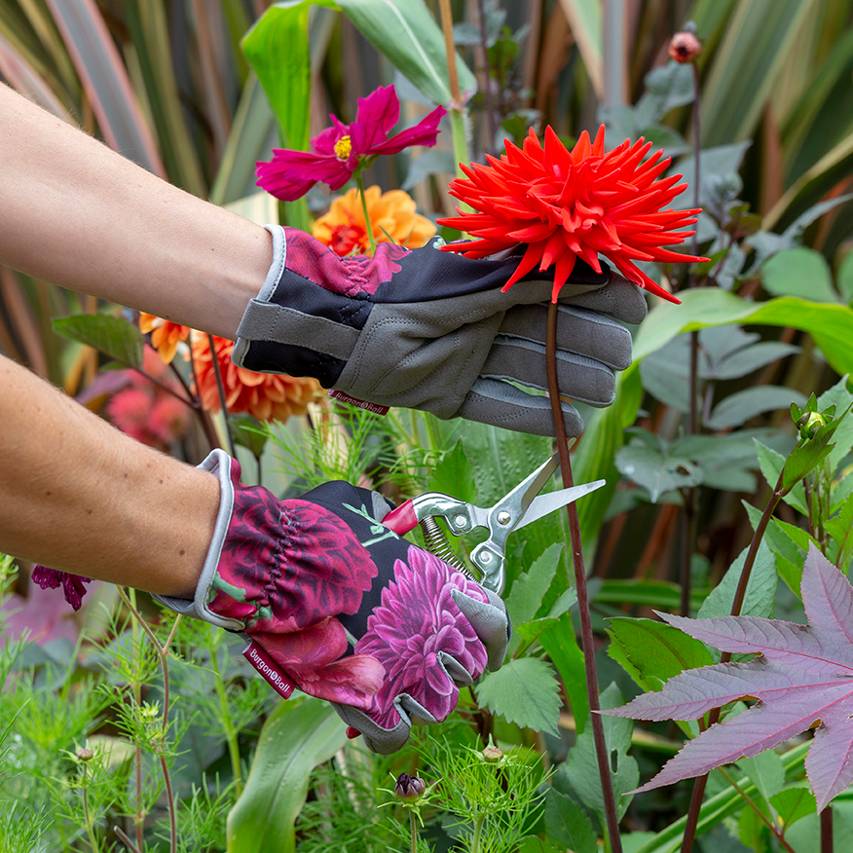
{"type": "Point", "coordinates": [522, 506]}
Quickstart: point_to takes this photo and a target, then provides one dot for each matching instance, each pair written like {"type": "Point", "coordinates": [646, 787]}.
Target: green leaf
{"type": "Point", "coordinates": [806, 457]}
{"type": "Point", "coordinates": [249, 433]}
{"type": "Point", "coordinates": [760, 591]}
{"type": "Point", "coordinates": [567, 824]}
{"type": "Point", "coordinates": [831, 326]}
{"type": "Point", "coordinates": [840, 396]}
{"type": "Point", "coordinates": [528, 590]}
{"type": "Point", "coordinates": [408, 35]}
{"type": "Point", "coordinates": [561, 645]}
{"type": "Point", "coordinates": [662, 595]}
{"type": "Point", "coordinates": [744, 405]}
{"type": "Point", "coordinates": [799, 272]}
{"type": "Point", "coordinates": [580, 769]}
{"type": "Point", "coordinates": [656, 471]}
{"type": "Point", "coordinates": [845, 277]}
{"type": "Point", "coordinates": [766, 771]}
{"type": "Point", "coordinates": [788, 543]}
{"type": "Point", "coordinates": [296, 737]}
{"type": "Point", "coordinates": [113, 336]}
{"type": "Point", "coordinates": [452, 475]}
{"type": "Point", "coordinates": [652, 652]}
{"type": "Point", "coordinates": [771, 461]}
{"type": "Point", "coordinates": [525, 692]}
{"type": "Point", "coordinates": [793, 803]}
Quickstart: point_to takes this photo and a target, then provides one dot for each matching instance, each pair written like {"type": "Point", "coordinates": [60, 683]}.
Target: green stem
{"type": "Point", "coordinates": [139, 816]}
{"type": "Point", "coordinates": [227, 722]}
{"type": "Point", "coordinates": [87, 816]}
{"type": "Point", "coordinates": [368, 225]}
{"type": "Point", "coordinates": [478, 831]}
{"type": "Point", "coordinates": [413, 832]}
{"type": "Point", "coordinates": [461, 152]}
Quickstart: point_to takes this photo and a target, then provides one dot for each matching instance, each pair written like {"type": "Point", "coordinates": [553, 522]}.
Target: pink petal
{"type": "Point", "coordinates": [423, 133]}
{"type": "Point", "coordinates": [290, 174]}
{"type": "Point", "coordinates": [374, 118]}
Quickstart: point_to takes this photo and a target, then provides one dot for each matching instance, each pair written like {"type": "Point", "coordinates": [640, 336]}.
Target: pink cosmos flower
{"type": "Point", "coordinates": [416, 621]}
{"type": "Point", "coordinates": [340, 150]}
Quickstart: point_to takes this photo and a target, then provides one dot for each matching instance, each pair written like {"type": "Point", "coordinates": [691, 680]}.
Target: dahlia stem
{"type": "Point", "coordinates": [587, 640]}
{"type": "Point", "coordinates": [456, 113]}
{"type": "Point", "coordinates": [826, 842]}
{"type": "Point", "coordinates": [223, 400]}
{"type": "Point", "coordinates": [368, 225]}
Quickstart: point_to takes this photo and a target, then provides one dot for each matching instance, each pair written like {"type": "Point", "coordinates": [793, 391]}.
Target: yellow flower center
{"type": "Point", "coordinates": [343, 148]}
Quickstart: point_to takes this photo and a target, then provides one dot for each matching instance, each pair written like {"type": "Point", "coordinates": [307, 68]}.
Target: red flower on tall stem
{"type": "Point", "coordinates": [341, 150]}
{"type": "Point", "coordinates": [564, 205]}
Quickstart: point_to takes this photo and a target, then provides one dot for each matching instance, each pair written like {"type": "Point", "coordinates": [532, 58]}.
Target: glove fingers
{"type": "Point", "coordinates": [524, 361]}
{"type": "Point", "coordinates": [383, 741]}
{"type": "Point", "coordinates": [489, 620]}
{"type": "Point", "coordinates": [620, 299]}
{"type": "Point", "coordinates": [578, 331]}
{"type": "Point", "coordinates": [495, 402]}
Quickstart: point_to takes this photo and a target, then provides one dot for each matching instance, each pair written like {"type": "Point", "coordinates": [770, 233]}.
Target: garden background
{"type": "Point", "coordinates": [96, 755]}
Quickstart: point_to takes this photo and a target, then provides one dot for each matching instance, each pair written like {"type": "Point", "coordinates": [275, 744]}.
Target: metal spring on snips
{"type": "Point", "coordinates": [436, 543]}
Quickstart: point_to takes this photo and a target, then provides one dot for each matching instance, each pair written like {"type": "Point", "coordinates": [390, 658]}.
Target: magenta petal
{"type": "Point", "coordinates": [47, 578]}
{"type": "Point", "coordinates": [423, 133]}
{"type": "Point", "coordinates": [290, 174]}
{"type": "Point", "coordinates": [73, 586]}
{"type": "Point", "coordinates": [374, 118]}
{"type": "Point", "coordinates": [324, 141]}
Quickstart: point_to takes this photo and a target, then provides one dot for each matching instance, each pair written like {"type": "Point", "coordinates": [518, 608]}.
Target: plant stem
{"type": "Point", "coordinates": [587, 641]}
{"type": "Point", "coordinates": [413, 832]}
{"type": "Point", "coordinates": [368, 225]}
{"type": "Point", "coordinates": [478, 831]}
{"type": "Point", "coordinates": [826, 842]}
{"type": "Point", "coordinates": [461, 153]}
{"type": "Point", "coordinates": [203, 414]}
{"type": "Point", "coordinates": [139, 816]}
{"type": "Point", "coordinates": [163, 387]}
{"type": "Point", "coordinates": [487, 80]}
{"type": "Point", "coordinates": [737, 604]}
{"type": "Point", "coordinates": [87, 816]}
{"type": "Point", "coordinates": [220, 389]}
{"type": "Point", "coordinates": [757, 809]}
{"type": "Point", "coordinates": [227, 721]}
{"type": "Point", "coordinates": [122, 836]}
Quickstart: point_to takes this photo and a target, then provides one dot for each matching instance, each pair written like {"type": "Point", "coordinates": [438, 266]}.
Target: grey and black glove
{"type": "Point", "coordinates": [432, 330]}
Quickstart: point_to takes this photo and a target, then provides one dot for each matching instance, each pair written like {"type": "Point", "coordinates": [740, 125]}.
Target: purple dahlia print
{"type": "Point", "coordinates": [416, 620]}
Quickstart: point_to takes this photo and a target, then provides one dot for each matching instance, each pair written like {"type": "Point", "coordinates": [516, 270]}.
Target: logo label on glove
{"type": "Point", "coordinates": [361, 404]}
{"type": "Point", "coordinates": [268, 669]}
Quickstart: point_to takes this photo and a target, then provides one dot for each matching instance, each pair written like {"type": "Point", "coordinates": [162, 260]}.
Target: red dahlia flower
{"type": "Point", "coordinates": [339, 150]}
{"type": "Point", "coordinates": [564, 205]}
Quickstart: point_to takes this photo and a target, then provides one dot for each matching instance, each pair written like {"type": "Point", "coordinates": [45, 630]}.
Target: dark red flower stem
{"type": "Point", "coordinates": [826, 843]}
{"type": "Point", "coordinates": [587, 640]}
{"type": "Point", "coordinates": [698, 792]}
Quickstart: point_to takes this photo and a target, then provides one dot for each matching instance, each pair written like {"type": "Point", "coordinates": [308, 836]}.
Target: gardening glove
{"type": "Point", "coordinates": [341, 607]}
{"type": "Point", "coordinates": [431, 330]}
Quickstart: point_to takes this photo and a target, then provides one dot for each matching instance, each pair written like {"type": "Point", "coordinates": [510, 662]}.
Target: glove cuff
{"type": "Point", "coordinates": [219, 463]}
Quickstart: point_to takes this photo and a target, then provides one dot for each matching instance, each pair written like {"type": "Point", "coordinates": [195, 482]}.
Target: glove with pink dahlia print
{"type": "Point", "coordinates": [336, 604]}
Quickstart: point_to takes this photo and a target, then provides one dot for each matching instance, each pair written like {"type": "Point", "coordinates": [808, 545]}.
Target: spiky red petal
{"type": "Point", "coordinates": [564, 205]}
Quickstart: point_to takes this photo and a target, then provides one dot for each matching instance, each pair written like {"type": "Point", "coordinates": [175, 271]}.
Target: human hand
{"type": "Point", "coordinates": [430, 330]}
{"type": "Point", "coordinates": [344, 608]}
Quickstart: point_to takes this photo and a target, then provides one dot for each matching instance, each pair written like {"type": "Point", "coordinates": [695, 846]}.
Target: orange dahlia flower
{"type": "Point", "coordinates": [166, 336]}
{"type": "Point", "coordinates": [563, 205]}
{"type": "Point", "coordinates": [265, 396]}
{"type": "Point", "coordinates": [392, 216]}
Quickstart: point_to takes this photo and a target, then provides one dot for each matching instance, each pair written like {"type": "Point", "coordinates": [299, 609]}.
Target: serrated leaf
{"type": "Point", "coordinates": [760, 590]}
{"type": "Point", "coordinates": [113, 336]}
{"type": "Point", "coordinates": [804, 675]}
{"type": "Point", "coordinates": [788, 547]}
{"type": "Point", "coordinates": [580, 769]}
{"type": "Point", "coordinates": [652, 652]}
{"type": "Point", "coordinates": [528, 589]}
{"type": "Point", "coordinates": [567, 824]}
{"type": "Point", "coordinates": [840, 396]}
{"type": "Point", "coordinates": [792, 804]}
{"type": "Point", "coordinates": [770, 462]}
{"type": "Point", "coordinates": [525, 692]}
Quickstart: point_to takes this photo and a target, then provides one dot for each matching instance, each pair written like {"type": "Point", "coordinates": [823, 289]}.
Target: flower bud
{"type": "Point", "coordinates": [684, 47]}
{"type": "Point", "coordinates": [810, 423]}
{"type": "Point", "coordinates": [493, 753]}
{"type": "Point", "coordinates": [409, 787]}
{"type": "Point", "coordinates": [84, 753]}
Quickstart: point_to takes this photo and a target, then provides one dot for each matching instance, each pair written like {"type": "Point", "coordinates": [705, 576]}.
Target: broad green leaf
{"type": "Point", "coordinates": [758, 40]}
{"type": "Point", "coordinates": [296, 737]}
{"type": "Point", "coordinates": [651, 652]}
{"type": "Point", "coordinates": [662, 595]}
{"type": "Point", "coordinates": [452, 475]}
{"type": "Point", "coordinates": [113, 336]}
{"type": "Point", "coordinates": [760, 591]}
{"type": "Point", "coordinates": [793, 803]}
{"type": "Point", "coordinates": [408, 35]}
{"type": "Point", "coordinates": [766, 770]}
{"type": "Point", "coordinates": [831, 326]}
{"type": "Point", "coordinates": [580, 769]}
{"type": "Point", "coordinates": [528, 590]}
{"type": "Point", "coordinates": [845, 277]}
{"type": "Point", "coordinates": [741, 406]}
{"type": "Point", "coordinates": [561, 645]}
{"type": "Point", "coordinates": [655, 470]}
{"type": "Point", "coordinates": [567, 824]}
{"type": "Point", "coordinates": [525, 692]}
{"type": "Point", "coordinates": [840, 396]}
{"type": "Point", "coordinates": [799, 272]}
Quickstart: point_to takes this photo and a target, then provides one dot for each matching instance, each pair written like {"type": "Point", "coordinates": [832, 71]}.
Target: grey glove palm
{"type": "Point", "coordinates": [431, 330]}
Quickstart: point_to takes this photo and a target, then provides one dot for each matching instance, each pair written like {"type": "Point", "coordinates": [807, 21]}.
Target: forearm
{"type": "Point", "coordinates": [76, 213]}
{"type": "Point", "coordinates": [78, 495]}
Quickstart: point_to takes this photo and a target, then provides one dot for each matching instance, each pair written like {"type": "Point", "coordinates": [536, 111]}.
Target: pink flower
{"type": "Point", "coordinates": [340, 150]}
{"type": "Point", "coordinates": [73, 586]}
{"type": "Point", "coordinates": [416, 621]}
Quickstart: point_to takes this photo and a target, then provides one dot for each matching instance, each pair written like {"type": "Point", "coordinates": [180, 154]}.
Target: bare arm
{"type": "Point", "coordinates": [79, 495]}
{"type": "Point", "coordinates": [76, 213]}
